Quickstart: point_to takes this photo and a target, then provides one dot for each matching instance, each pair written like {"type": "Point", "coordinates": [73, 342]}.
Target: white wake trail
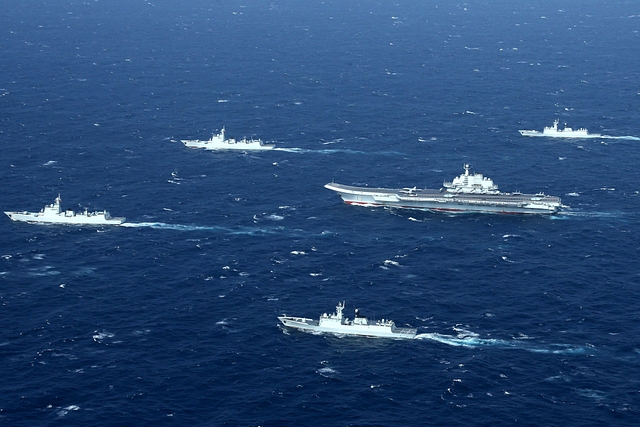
{"type": "Point", "coordinates": [183, 227]}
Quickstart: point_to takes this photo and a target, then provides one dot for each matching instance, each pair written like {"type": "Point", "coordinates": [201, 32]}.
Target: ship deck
{"type": "Point", "coordinates": [417, 195]}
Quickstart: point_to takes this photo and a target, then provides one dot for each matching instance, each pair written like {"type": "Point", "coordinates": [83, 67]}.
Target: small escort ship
{"type": "Point", "coordinates": [466, 193]}
{"type": "Point", "coordinates": [220, 142]}
{"type": "Point", "coordinates": [53, 214]}
{"type": "Point", "coordinates": [554, 132]}
{"type": "Point", "coordinates": [336, 323]}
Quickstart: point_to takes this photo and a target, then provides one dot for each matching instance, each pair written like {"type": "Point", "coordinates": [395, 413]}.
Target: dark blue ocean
{"type": "Point", "coordinates": [171, 320]}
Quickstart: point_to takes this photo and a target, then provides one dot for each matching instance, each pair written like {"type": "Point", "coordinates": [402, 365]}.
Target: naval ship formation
{"type": "Point", "coordinates": [466, 193]}
{"type": "Point", "coordinates": [336, 323]}
{"type": "Point", "coordinates": [53, 214]}
{"type": "Point", "coordinates": [220, 142]}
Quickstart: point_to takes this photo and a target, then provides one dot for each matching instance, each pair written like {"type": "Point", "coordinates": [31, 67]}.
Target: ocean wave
{"type": "Point", "coordinates": [64, 411]}
{"type": "Point", "coordinates": [99, 336]}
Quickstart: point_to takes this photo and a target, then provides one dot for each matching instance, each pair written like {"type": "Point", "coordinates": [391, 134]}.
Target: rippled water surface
{"type": "Point", "coordinates": [171, 319]}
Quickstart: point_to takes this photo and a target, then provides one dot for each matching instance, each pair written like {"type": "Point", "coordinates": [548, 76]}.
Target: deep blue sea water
{"type": "Point", "coordinates": [172, 319]}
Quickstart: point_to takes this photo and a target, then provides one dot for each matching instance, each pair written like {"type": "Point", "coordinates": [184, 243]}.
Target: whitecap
{"type": "Point", "coordinates": [522, 336]}
{"type": "Point", "coordinates": [99, 336]}
{"type": "Point", "coordinates": [590, 393]}
{"type": "Point", "coordinates": [64, 411]}
{"type": "Point", "coordinates": [463, 333]}
{"type": "Point", "coordinates": [44, 271]}
{"type": "Point", "coordinates": [326, 372]}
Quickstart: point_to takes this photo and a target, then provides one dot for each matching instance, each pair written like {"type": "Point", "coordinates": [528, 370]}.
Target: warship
{"type": "Point", "coordinates": [466, 193]}
{"type": "Point", "coordinates": [336, 323]}
{"type": "Point", "coordinates": [53, 214]}
{"type": "Point", "coordinates": [554, 132]}
{"type": "Point", "coordinates": [220, 142]}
